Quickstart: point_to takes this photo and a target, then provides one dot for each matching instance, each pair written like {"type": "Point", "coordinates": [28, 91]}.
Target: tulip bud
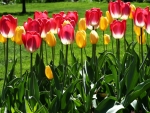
{"type": "Point", "coordinates": [106, 39]}
{"type": "Point", "coordinates": [143, 38]}
{"type": "Point", "coordinates": [2, 39]}
{"type": "Point", "coordinates": [103, 24]}
{"type": "Point", "coordinates": [131, 11]}
{"type": "Point", "coordinates": [50, 39]}
{"type": "Point", "coordinates": [81, 38]}
{"type": "Point", "coordinates": [94, 37]}
{"type": "Point", "coordinates": [82, 24]}
{"type": "Point", "coordinates": [48, 72]}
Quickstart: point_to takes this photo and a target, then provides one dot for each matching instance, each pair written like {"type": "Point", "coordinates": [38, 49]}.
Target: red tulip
{"type": "Point", "coordinates": [72, 15]}
{"type": "Point", "coordinates": [93, 17]}
{"type": "Point", "coordinates": [115, 9]}
{"type": "Point", "coordinates": [31, 41]}
{"type": "Point", "coordinates": [125, 10]}
{"type": "Point", "coordinates": [66, 34]}
{"type": "Point", "coordinates": [148, 23]}
{"type": "Point", "coordinates": [33, 25]}
{"type": "Point", "coordinates": [140, 16]}
{"type": "Point", "coordinates": [38, 14]}
{"type": "Point", "coordinates": [118, 28]}
{"type": "Point", "coordinates": [8, 25]}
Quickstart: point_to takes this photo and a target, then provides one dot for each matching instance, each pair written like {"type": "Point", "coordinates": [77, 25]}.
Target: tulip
{"type": "Point", "coordinates": [18, 34]}
{"type": "Point", "coordinates": [8, 25]}
{"type": "Point", "coordinates": [148, 23]}
{"type": "Point", "coordinates": [2, 39]}
{"type": "Point", "coordinates": [31, 41]}
{"type": "Point", "coordinates": [38, 14]}
{"type": "Point", "coordinates": [73, 15]}
{"type": "Point", "coordinates": [66, 34]}
{"type": "Point", "coordinates": [109, 17]}
{"type": "Point", "coordinates": [53, 25]}
{"type": "Point", "coordinates": [94, 37]}
{"type": "Point", "coordinates": [125, 10]}
{"type": "Point", "coordinates": [118, 28]}
{"type": "Point", "coordinates": [50, 39]}
{"type": "Point", "coordinates": [132, 7]}
{"type": "Point", "coordinates": [143, 41]}
{"type": "Point", "coordinates": [82, 24]}
{"type": "Point", "coordinates": [106, 39]}
{"type": "Point", "coordinates": [81, 38]}
{"type": "Point", "coordinates": [139, 16]}
{"type": "Point", "coordinates": [103, 24]}
{"type": "Point", "coordinates": [137, 30]}
{"type": "Point", "coordinates": [48, 72]}
{"type": "Point", "coordinates": [115, 9]}
{"type": "Point", "coordinates": [92, 17]}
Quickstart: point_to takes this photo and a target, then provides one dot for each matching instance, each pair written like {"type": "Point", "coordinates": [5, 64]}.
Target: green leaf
{"type": "Point", "coordinates": [42, 109]}
{"type": "Point", "coordinates": [77, 102]}
{"type": "Point", "coordinates": [138, 90]}
{"type": "Point", "coordinates": [115, 108]}
{"type": "Point", "coordinates": [28, 107]}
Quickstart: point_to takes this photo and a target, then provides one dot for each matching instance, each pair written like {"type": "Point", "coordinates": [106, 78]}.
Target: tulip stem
{"type": "Point", "coordinates": [31, 62]}
{"type": "Point", "coordinates": [53, 54]}
{"type": "Point", "coordinates": [46, 52]}
{"type": "Point", "coordinates": [66, 63]}
{"type": "Point", "coordinates": [103, 41]}
{"type": "Point", "coordinates": [118, 49]}
{"type": "Point", "coordinates": [14, 50]}
{"type": "Point", "coordinates": [112, 43]}
{"type": "Point", "coordinates": [41, 50]}
{"type": "Point", "coordinates": [93, 52]}
{"type": "Point", "coordinates": [124, 43]}
{"type": "Point", "coordinates": [20, 62]}
{"type": "Point", "coordinates": [132, 31]}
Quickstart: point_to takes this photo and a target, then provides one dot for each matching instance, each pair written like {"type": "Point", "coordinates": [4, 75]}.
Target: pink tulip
{"type": "Point", "coordinates": [125, 10]}
{"type": "Point", "coordinates": [72, 15]}
{"type": "Point", "coordinates": [31, 41]}
{"type": "Point", "coordinates": [38, 14]}
{"type": "Point", "coordinates": [33, 25]}
{"type": "Point", "coordinates": [8, 25]}
{"type": "Point", "coordinates": [66, 34]}
{"type": "Point", "coordinates": [92, 17]}
{"type": "Point", "coordinates": [115, 9]}
{"type": "Point", "coordinates": [148, 23]}
{"type": "Point", "coordinates": [118, 28]}
{"type": "Point", "coordinates": [140, 16]}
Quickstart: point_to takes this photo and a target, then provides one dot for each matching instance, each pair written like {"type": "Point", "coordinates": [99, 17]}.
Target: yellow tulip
{"type": "Point", "coordinates": [50, 39]}
{"type": "Point", "coordinates": [18, 35]}
{"type": "Point", "coordinates": [48, 72]}
{"type": "Point", "coordinates": [109, 17]}
{"type": "Point", "coordinates": [103, 24]}
{"type": "Point", "coordinates": [131, 11]}
{"type": "Point", "coordinates": [2, 39]}
{"type": "Point", "coordinates": [143, 38]}
{"type": "Point", "coordinates": [66, 22]}
{"type": "Point", "coordinates": [106, 39]}
{"type": "Point", "coordinates": [82, 24]}
{"type": "Point", "coordinates": [94, 37]}
{"type": "Point", "coordinates": [81, 38]}
{"type": "Point", "coordinates": [137, 30]}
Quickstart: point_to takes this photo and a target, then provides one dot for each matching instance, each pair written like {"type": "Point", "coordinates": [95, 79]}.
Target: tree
{"type": "Point", "coordinates": [23, 6]}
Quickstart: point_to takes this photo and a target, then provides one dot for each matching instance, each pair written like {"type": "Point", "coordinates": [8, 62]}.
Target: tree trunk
{"type": "Point", "coordinates": [23, 6]}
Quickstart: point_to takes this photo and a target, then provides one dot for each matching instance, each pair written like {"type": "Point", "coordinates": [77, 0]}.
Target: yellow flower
{"type": "Point", "coordinates": [2, 39]}
{"type": "Point", "coordinates": [18, 35]}
{"type": "Point", "coordinates": [137, 30]}
{"type": "Point", "coordinates": [109, 17]}
{"type": "Point", "coordinates": [82, 24]}
{"type": "Point", "coordinates": [48, 72]}
{"type": "Point", "coordinates": [93, 37]}
{"type": "Point", "coordinates": [143, 38]}
{"type": "Point", "coordinates": [106, 39]}
{"type": "Point", "coordinates": [103, 24]}
{"type": "Point", "coordinates": [50, 39]}
{"type": "Point", "coordinates": [81, 38]}
{"type": "Point", "coordinates": [66, 22]}
{"type": "Point", "coordinates": [131, 11]}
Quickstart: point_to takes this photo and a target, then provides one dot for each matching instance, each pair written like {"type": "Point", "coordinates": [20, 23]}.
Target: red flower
{"type": "Point", "coordinates": [118, 28]}
{"type": "Point", "coordinates": [115, 9]}
{"type": "Point", "coordinates": [33, 25]}
{"type": "Point", "coordinates": [38, 14]}
{"type": "Point", "coordinates": [125, 10]}
{"type": "Point", "coordinates": [66, 34]}
{"type": "Point", "coordinates": [72, 15]}
{"type": "Point", "coordinates": [8, 25]}
{"type": "Point", "coordinates": [92, 17]}
{"type": "Point", "coordinates": [148, 23]}
{"type": "Point", "coordinates": [140, 16]}
{"type": "Point", "coordinates": [31, 41]}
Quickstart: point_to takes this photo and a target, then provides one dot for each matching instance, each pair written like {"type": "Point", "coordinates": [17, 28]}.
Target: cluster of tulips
{"type": "Point", "coordinates": [43, 28]}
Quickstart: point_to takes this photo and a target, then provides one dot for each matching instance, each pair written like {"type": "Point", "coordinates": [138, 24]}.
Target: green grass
{"type": "Point", "coordinates": [80, 7]}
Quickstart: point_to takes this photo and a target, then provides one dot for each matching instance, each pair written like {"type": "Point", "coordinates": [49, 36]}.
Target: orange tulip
{"type": "Point", "coordinates": [137, 30]}
{"type": "Point", "coordinates": [50, 39]}
{"type": "Point", "coordinates": [81, 38]}
{"type": "Point", "coordinates": [48, 72]}
{"type": "Point", "coordinates": [132, 7]}
{"type": "Point", "coordinates": [103, 24]}
{"type": "Point", "coordinates": [2, 39]}
{"type": "Point", "coordinates": [106, 39]}
{"type": "Point", "coordinates": [82, 24]}
{"type": "Point", "coordinates": [94, 37]}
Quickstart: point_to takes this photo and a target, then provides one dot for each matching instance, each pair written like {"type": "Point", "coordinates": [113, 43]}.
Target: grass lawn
{"type": "Point", "coordinates": [80, 7]}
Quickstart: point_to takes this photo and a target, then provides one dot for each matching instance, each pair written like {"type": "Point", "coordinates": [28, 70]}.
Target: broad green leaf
{"type": "Point", "coordinates": [137, 91]}
{"type": "Point", "coordinates": [115, 108]}
{"type": "Point", "coordinates": [28, 107]}
{"type": "Point", "coordinates": [42, 109]}
{"type": "Point", "coordinates": [77, 102]}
